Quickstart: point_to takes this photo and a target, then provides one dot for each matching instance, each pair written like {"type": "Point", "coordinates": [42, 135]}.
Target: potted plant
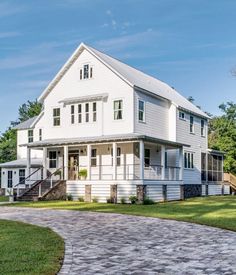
{"type": "Point", "coordinates": [83, 174]}
{"type": "Point", "coordinates": [11, 195]}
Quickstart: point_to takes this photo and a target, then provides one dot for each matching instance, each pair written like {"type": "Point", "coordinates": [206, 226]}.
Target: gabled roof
{"type": "Point", "coordinates": [26, 124]}
{"type": "Point", "coordinates": [22, 163]}
{"type": "Point", "coordinates": [132, 76]}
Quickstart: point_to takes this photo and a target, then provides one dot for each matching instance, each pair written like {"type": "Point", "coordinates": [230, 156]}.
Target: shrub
{"type": "Point", "coordinates": [69, 197]}
{"type": "Point", "coordinates": [148, 201]}
{"type": "Point", "coordinates": [133, 199]}
{"type": "Point", "coordinates": [109, 200]}
{"type": "Point", "coordinates": [94, 199]}
{"type": "Point", "coordinates": [83, 173]}
{"type": "Point", "coordinates": [81, 199]}
{"type": "Point", "coordinates": [122, 200]}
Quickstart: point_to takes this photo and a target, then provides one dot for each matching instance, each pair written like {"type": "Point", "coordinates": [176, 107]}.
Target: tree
{"type": "Point", "coordinates": [222, 135]}
{"type": "Point", "coordinates": [8, 141]}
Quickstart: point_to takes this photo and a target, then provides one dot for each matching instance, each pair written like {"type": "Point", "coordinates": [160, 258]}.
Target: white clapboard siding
{"type": "Point", "coordinates": [100, 191]}
{"type": "Point", "coordinates": [214, 189]}
{"type": "Point", "coordinates": [173, 192]}
{"type": "Point", "coordinates": [154, 192]}
{"type": "Point", "coordinates": [125, 190]}
{"type": "Point", "coordinates": [75, 189]}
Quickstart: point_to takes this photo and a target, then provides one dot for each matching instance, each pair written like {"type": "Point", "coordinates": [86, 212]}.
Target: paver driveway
{"type": "Point", "coordinates": [99, 243]}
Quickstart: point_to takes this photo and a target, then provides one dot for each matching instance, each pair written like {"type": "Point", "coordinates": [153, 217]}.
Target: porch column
{"type": "Point", "coordinates": [28, 161]}
{"type": "Point", "coordinates": [141, 159]}
{"type": "Point", "coordinates": [65, 164]}
{"type": "Point", "coordinates": [163, 161]}
{"type": "Point", "coordinates": [181, 163]}
{"type": "Point", "coordinates": [89, 161]}
{"type": "Point", "coordinates": [44, 162]}
{"type": "Point", "coordinates": [114, 155]}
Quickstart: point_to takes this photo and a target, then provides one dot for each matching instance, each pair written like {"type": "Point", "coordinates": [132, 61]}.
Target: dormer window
{"type": "Point", "coordinates": [86, 72]}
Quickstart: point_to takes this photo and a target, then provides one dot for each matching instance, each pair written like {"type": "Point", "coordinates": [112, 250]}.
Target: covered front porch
{"type": "Point", "coordinates": [115, 158]}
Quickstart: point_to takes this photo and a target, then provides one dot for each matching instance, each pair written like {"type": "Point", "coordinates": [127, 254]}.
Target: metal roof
{"type": "Point", "coordinates": [26, 124]}
{"type": "Point", "coordinates": [100, 139]}
{"type": "Point", "coordinates": [22, 163]}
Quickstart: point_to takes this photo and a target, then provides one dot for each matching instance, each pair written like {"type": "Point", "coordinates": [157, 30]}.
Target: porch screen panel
{"type": "Point", "coordinates": [215, 167]}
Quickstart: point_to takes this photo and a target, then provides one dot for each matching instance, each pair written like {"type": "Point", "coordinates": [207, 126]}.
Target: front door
{"type": "Point", "coordinates": [73, 166]}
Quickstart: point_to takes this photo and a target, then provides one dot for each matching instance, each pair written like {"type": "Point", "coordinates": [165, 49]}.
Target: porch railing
{"type": "Point", "coordinates": [130, 172]}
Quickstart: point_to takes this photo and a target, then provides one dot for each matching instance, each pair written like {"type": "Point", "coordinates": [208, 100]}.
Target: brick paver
{"type": "Point", "coordinates": [98, 243]}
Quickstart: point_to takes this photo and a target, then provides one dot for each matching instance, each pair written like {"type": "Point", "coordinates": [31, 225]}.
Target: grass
{"type": "Point", "coordinates": [218, 211]}
{"type": "Point", "coordinates": [4, 198]}
{"type": "Point", "coordinates": [29, 249]}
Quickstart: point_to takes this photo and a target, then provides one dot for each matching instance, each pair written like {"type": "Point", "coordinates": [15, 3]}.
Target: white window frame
{"type": "Point", "coordinates": [203, 128]}
{"type": "Point", "coordinates": [87, 74]}
{"type": "Point", "coordinates": [94, 110]}
{"type": "Point", "coordinates": [56, 117]}
{"type": "Point", "coordinates": [181, 115]}
{"type": "Point", "coordinates": [30, 135]}
{"type": "Point", "coordinates": [188, 160]}
{"type": "Point", "coordinates": [143, 112]}
{"type": "Point", "coordinates": [80, 113]}
{"type": "Point", "coordinates": [72, 114]}
{"type": "Point", "coordinates": [191, 125]}
{"type": "Point", "coordinates": [40, 134]}
{"type": "Point", "coordinates": [52, 159]}
{"type": "Point", "coordinates": [87, 112]}
{"type": "Point", "coordinates": [93, 157]}
{"type": "Point", "coordinates": [118, 111]}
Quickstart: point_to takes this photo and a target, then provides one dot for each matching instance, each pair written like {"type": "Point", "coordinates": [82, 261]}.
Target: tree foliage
{"type": "Point", "coordinates": [8, 140]}
{"type": "Point", "coordinates": [222, 134]}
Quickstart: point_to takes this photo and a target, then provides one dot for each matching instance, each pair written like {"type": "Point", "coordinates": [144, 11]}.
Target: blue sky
{"type": "Point", "coordinates": [190, 44]}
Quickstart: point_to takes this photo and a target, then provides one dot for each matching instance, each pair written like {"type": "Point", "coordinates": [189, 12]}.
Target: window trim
{"type": "Point", "coordinates": [57, 116]}
{"type": "Point", "coordinates": [52, 159]}
{"type": "Point", "coordinates": [191, 125]}
{"type": "Point", "coordinates": [94, 111]}
{"type": "Point", "coordinates": [180, 117]}
{"type": "Point", "coordinates": [87, 112]}
{"type": "Point", "coordinates": [40, 134]}
{"type": "Point", "coordinates": [118, 110]}
{"type": "Point", "coordinates": [203, 128]}
{"type": "Point", "coordinates": [30, 137]}
{"type": "Point", "coordinates": [143, 111]}
{"type": "Point", "coordinates": [80, 109]}
{"type": "Point", "coordinates": [72, 114]}
{"type": "Point", "coordinates": [188, 160]}
{"type": "Point", "coordinates": [94, 157]}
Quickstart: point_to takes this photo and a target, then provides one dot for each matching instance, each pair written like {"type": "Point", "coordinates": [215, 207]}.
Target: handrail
{"type": "Point", "coordinates": [28, 177]}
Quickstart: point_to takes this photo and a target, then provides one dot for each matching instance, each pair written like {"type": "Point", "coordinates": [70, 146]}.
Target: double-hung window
{"type": "Point", "coordinates": [22, 176]}
{"type": "Point", "coordinates": [52, 159]}
{"type": "Point", "coordinates": [191, 124]}
{"type": "Point", "coordinates": [94, 111]}
{"type": "Point", "coordinates": [72, 112]}
{"type": "Point", "coordinates": [188, 160]}
{"type": "Point", "coordinates": [118, 109]}
{"type": "Point", "coordinates": [80, 113]}
{"type": "Point", "coordinates": [86, 112]}
{"type": "Point", "coordinates": [141, 110]}
{"type": "Point", "coordinates": [94, 157]}
{"type": "Point", "coordinates": [9, 179]}
{"type": "Point", "coordinates": [30, 136]}
{"type": "Point", "coordinates": [202, 128]}
{"type": "Point", "coordinates": [40, 134]}
{"type": "Point", "coordinates": [56, 117]}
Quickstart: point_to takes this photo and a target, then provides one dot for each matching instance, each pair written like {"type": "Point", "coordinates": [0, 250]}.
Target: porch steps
{"type": "Point", "coordinates": [231, 180]}
{"type": "Point", "coordinates": [32, 194]}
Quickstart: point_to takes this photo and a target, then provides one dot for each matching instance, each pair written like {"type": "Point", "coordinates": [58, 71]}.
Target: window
{"type": "Point", "coordinates": [94, 157]}
{"type": "Point", "coordinates": [72, 111]}
{"type": "Point", "coordinates": [79, 113]}
{"type": "Point", "coordinates": [191, 125]}
{"type": "Point", "coordinates": [182, 115]}
{"type": "Point", "coordinates": [91, 72]}
{"type": "Point", "coordinates": [141, 110]}
{"type": "Point", "coordinates": [40, 134]}
{"type": "Point", "coordinates": [118, 156]}
{"type": "Point", "coordinates": [86, 71]}
{"type": "Point", "coordinates": [9, 179]}
{"type": "Point", "coordinates": [22, 176]}
{"type": "Point", "coordinates": [56, 117]}
{"type": "Point", "coordinates": [147, 157]}
{"type": "Point", "coordinates": [86, 112]}
{"type": "Point", "coordinates": [30, 136]}
{"type": "Point", "coordinates": [166, 159]}
{"type": "Point", "coordinates": [94, 111]}
{"type": "Point", "coordinates": [202, 128]}
{"type": "Point", "coordinates": [118, 109]}
{"type": "Point", "coordinates": [188, 160]}
{"type": "Point", "coordinates": [80, 74]}
{"type": "Point", "coordinates": [52, 159]}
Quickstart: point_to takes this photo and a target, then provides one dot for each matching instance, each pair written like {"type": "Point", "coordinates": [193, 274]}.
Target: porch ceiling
{"type": "Point", "coordinates": [101, 139]}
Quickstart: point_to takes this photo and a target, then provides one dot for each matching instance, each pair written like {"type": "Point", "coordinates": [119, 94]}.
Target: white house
{"type": "Point", "coordinates": [129, 132]}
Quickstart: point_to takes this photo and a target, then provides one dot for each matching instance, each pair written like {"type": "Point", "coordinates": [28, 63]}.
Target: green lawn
{"type": "Point", "coordinates": [218, 211]}
{"type": "Point", "coordinates": [28, 249]}
{"type": "Point", "coordinates": [4, 198]}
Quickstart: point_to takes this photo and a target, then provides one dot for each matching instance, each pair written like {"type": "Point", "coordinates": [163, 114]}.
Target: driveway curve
{"type": "Point", "coordinates": [98, 243]}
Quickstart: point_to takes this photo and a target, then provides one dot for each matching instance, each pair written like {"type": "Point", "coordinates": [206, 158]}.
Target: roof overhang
{"type": "Point", "coordinates": [102, 139]}
{"type": "Point", "coordinates": [75, 100]}
{"type": "Point", "coordinates": [22, 163]}
{"type": "Point", "coordinates": [216, 152]}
